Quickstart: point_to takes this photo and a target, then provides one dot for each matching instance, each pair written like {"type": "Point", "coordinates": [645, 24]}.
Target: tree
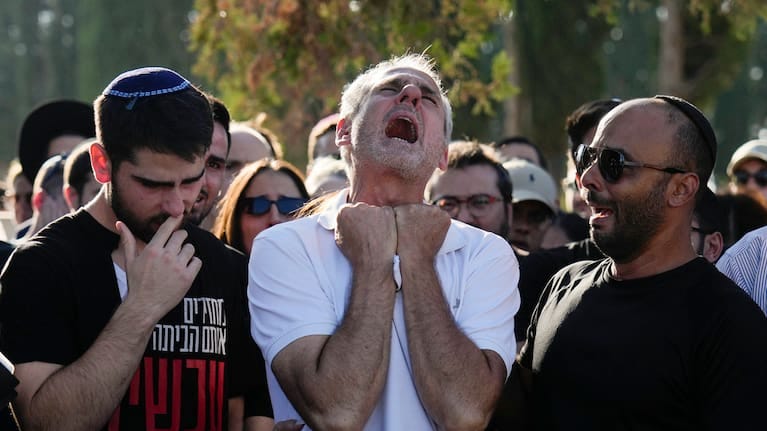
{"type": "Point", "coordinates": [291, 58]}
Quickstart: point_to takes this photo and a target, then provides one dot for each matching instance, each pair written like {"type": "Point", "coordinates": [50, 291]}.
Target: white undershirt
{"type": "Point", "coordinates": [122, 281]}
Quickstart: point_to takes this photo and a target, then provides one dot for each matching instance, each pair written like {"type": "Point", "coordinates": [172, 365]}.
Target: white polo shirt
{"type": "Point", "coordinates": [300, 283]}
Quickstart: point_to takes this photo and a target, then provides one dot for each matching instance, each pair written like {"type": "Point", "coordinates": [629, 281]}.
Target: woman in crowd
{"type": "Point", "coordinates": [263, 193]}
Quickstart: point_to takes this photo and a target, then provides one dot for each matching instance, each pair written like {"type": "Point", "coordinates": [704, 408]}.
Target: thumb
{"type": "Point", "coordinates": [128, 243]}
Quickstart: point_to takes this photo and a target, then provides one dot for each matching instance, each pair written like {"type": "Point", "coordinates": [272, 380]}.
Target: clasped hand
{"type": "Point", "coordinates": [371, 236]}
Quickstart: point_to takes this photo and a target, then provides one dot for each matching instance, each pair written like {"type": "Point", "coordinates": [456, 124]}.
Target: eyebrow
{"type": "Point", "coordinates": [216, 159]}
{"type": "Point", "coordinates": [401, 83]}
{"type": "Point", "coordinates": [152, 183]}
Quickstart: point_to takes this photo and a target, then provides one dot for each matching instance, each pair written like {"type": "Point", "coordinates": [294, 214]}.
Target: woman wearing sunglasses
{"type": "Point", "coordinates": [263, 193]}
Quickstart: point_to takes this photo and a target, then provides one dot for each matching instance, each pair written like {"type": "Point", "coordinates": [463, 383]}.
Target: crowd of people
{"type": "Point", "coordinates": [168, 269]}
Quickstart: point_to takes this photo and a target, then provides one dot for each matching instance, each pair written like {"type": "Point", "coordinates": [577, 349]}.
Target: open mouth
{"type": "Point", "coordinates": [600, 213]}
{"type": "Point", "coordinates": [402, 128]}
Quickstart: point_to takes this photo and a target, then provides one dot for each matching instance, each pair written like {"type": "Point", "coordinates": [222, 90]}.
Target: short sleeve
{"type": "Point", "coordinates": [284, 294]}
{"type": "Point", "coordinates": [491, 300]}
{"type": "Point", "coordinates": [37, 319]}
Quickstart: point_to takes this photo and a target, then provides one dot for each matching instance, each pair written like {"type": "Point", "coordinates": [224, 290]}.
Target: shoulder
{"type": "Point", "coordinates": [748, 255]}
{"type": "Point", "coordinates": [292, 236]}
{"type": "Point", "coordinates": [465, 238]}
{"type": "Point", "coordinates": [67, 238]}
{"type": "Point", "coordinates": [593, 270]}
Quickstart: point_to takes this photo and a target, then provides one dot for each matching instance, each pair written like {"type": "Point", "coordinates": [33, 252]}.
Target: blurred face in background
{"type": "Point", "coordinates": [750, 176]}
{"type": "Point", "coordinates": [471, 195]}
{"type": "Point", "coordinates": [21, 198]}
{"type": "Point", "coordinates": [518, 150]}
{"type": "Point", "coordinates": [271, 198]}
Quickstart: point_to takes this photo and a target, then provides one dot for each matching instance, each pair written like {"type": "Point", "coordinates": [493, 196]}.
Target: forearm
{"type": "Point", "coordinates": [343, 386]}
{"type": "Point", "coordinates": [458, 383]}
{"type": "Point", "coordinates": [84, 394]}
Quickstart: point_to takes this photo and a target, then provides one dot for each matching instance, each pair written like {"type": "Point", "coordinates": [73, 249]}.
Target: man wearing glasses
{"type": "Point", "coordinates": [475, 188]}
{"type": "Point", "coordinates": [748, 168]}
{"type": "Point", "coordinates": [653, 336]}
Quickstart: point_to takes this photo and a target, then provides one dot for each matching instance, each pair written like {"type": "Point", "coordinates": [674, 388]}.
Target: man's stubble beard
{"type": "Point", "coordinates": [636, 222]}
{"type": "Point", "coordinates": [142, 230]}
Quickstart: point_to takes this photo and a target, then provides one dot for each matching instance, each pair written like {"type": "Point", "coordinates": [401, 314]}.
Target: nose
{"type": "Point", "coordinates": [174, 202]}
{"type": "Point", "coordinates": [589, 179]}
{"type": "Point", "coordinates": [751, 184]}
{"type": "Point", "coordinates": [520, 225]}
{"type": "Point", "coordinates": [410, 94]}
{"type": "Point", "coordinates": [275, 217]}
{"type": "Point", "coordinates": [463, 214]}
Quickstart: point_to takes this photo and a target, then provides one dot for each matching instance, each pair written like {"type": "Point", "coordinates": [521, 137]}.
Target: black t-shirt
{"type": "Point", "coordinates": [538, 267]}
{"type": "Point", "coordinates": [59, 290]}
{"type": "Point", "coordinates": [685, 349]}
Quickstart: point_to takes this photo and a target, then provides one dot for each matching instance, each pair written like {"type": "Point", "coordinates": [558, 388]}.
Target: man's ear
{"type": "Point", "coordinates": [343, 133]}
{"type": "Point", "coordinates": [443, 160]}
{"type": "Point", "coordinates": [102, 166]}
{"type": "Point", "coordinates": [683, 189]}
{"type": "Point", "coordinates": [713, 246]}
{"type": "Point", "coordinates": [37, 200]}
{"type": "Point", "coordinates": [71, 197]}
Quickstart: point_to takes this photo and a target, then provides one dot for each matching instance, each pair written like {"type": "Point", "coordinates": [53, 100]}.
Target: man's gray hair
{"type": "Point", "coordinates": [357, 91]}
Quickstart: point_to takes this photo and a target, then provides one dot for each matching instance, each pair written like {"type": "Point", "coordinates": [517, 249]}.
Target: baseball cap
{"type": "Point", "coordinates": [47, 122]}
{"type": "Point", "coordinates": [531, 183]}
{"type": "Point", "coordinates": [754, 149]}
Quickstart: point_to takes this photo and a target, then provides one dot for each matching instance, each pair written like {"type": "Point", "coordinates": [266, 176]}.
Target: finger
{"type": "Point", "coordinates": [128, 242]}
{"type": "Point", "coordinates": [176, 241]}
{"type": "Point", "coordinates": [165, 231]}
{"type": "Point", "coordinates": [194, 266]}
{"type": "Point", "coordinates": [186, 253]}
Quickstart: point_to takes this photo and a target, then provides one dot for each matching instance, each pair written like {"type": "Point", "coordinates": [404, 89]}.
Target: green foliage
{"type": "Point", "coordinates": [742, 14]}
{"type": "Point", "coordinates": [291, 58]}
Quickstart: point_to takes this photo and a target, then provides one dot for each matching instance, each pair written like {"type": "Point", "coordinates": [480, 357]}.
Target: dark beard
{"type": "Point", "coordinates": [637, 220]}
{"type": "Point", "coordinates": [197, 214]}
{"type": "Point", "coordinates": [142, 230]}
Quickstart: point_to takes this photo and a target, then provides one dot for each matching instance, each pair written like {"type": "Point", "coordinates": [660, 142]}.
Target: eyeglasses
{"type": "Point", "coordinates": [478, 205]}
{"type": "Point", "coordinates": [611, 163]}
{"type": "Point", "coordinates": [742, 177]}
{"type": "Point", "coordinates": [260, 205]}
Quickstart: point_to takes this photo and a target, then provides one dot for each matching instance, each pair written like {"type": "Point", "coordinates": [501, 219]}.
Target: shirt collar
{"type": "Point", "coordinates": [456, 238]}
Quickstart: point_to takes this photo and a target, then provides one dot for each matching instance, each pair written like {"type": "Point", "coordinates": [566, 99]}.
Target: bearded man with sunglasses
{"type": "Point", "coordinates": [653, 336]}
{"type": "Point", "coordinates": [379, 312]}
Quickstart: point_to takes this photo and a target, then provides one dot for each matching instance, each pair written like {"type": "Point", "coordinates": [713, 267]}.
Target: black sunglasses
{"type": "Point", "coordinates": [742, 177]}
{"type": "Point", "coordinates": [611, 163]}
{"type": "Point", "coordinates": [260, 205]}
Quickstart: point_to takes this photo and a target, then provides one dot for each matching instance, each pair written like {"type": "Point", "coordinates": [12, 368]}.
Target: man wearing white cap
{"type": "Point", "coordinates": [748, 168]}
{"type": "Point", "coordinates": [535, 203]}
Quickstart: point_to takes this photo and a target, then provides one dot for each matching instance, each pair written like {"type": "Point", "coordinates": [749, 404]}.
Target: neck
{"type": "Point", "coordinates": [669, 249]}
{"type": "Point", "coordinates": [381, 189]}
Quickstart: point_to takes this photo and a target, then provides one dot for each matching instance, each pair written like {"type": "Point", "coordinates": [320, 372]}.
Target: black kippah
{"type": "Point", "coordinates": [697, 118]}
{"type": "Point", "coordinates": [145, 82]}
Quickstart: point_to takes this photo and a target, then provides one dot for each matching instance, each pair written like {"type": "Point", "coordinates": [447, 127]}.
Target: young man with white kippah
{"type": "Point", "coordinates": [118, 317]}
